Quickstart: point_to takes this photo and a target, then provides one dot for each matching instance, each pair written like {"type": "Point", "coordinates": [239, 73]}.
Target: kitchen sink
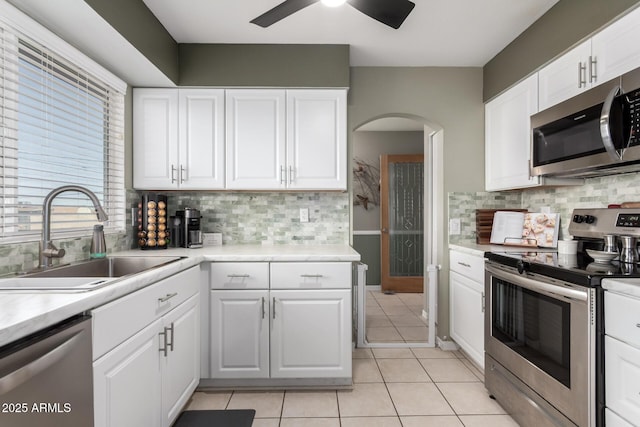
{"type": "Point", "coordinates": [86, 275]}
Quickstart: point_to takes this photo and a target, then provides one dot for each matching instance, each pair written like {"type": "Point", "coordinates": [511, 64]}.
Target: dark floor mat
{"type": "Point", "coordinates": [221, 418]}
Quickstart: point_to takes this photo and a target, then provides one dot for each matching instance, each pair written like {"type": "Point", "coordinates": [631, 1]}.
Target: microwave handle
{"type": "Point", "coordinates": [605, 128]}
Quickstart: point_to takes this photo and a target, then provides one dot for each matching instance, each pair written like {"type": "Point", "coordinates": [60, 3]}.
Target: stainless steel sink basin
{"type": "Point", "coordinates": [86, 275]}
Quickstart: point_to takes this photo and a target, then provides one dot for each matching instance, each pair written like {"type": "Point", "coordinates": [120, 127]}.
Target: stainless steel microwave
{"type": "Point", "coordinates": [592, 134]}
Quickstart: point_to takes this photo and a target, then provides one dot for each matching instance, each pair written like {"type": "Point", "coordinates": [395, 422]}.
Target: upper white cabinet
{"type": "Point", "coordinates": [256, 140]}
{"type": "Point", "coordinates": [316, 139]}
{"type": "Point", "coordinates": [606, 55]}
{"type": "Point", "coordinates": [293, 139]}
{"type": "Point", "coordinates": [508, 135]}
{"type": "Point", "coordinates": [178, 139]}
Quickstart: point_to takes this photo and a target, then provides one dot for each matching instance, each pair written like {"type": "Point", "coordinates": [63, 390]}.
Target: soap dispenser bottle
{"type": "Point", "coordinates": [98, 245]}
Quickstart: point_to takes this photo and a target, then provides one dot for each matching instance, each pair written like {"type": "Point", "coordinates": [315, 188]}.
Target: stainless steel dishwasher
{"type": "Point", "coordinates": [46, 378]}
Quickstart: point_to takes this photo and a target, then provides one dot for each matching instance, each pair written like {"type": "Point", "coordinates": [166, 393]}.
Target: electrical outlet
{"type": "Point", "coordinates": [454, 226]}
{"type": "Point", "coordinates": [304, 214]}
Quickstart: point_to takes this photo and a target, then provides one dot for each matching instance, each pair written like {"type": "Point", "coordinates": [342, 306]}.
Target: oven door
{"type": "Point", "coordinates": [542, 331]}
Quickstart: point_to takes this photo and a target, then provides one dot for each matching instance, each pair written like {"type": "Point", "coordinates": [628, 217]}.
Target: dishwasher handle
{"type": "Point", "coordinates": [39, 365]}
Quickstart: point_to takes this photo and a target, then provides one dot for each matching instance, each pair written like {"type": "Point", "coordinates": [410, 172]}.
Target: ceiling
{"type": "Point", "coordinates": [436, 33]}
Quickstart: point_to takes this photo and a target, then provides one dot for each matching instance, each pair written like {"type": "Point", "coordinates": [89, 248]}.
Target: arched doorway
{"type": "Point", "coordinates": [396, 134]}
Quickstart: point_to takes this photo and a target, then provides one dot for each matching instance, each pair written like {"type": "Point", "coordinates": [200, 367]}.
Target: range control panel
{"type": "Point", "coordinates": [595, 223]}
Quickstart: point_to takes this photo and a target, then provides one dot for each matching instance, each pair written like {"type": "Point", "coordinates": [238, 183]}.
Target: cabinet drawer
{"type": "Point", "coordinates": [311, 275]}
{"type": "Point", "coordinates": [622, 378]}
{"type": "Point", "coordinates": [622, 318]}
{"type": "Point", "coordinates": [471, 266]}
{"type": "Point", "coordinates": [118, 320]}
{"type": "Point", "coordinates": [240, 275]}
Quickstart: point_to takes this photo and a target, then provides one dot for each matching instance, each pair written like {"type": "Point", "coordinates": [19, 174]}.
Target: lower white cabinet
{"type": "Point", "coordinates": [466, 300]}
{"type": "Point", "coordinates": [146, 379]}
{"type": "Point", "coordinates": [302, 330]}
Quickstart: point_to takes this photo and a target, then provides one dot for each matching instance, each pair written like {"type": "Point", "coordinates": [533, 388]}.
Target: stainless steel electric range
{"type": "Point", "coordinates": [544, 360]}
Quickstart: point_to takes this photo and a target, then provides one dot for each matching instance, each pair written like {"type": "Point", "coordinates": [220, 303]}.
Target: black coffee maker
{"type": "Point", "coordinates": [186, 230]}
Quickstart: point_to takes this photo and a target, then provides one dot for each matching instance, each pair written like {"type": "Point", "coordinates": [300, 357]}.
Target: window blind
{"type": "Point", "coordinates": [61, 125]}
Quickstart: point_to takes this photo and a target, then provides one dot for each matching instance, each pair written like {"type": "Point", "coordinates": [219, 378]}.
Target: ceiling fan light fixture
{"type": "Point", "coordinates": [333, 3]}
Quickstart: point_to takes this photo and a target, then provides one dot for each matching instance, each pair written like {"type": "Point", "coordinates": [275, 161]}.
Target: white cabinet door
{"type": "Point", "coordinates": [127, 382]}
{"type": "Point", "coordinates": [508, 136]}
{"type": "Point", "coordinates": [181, 364]}
{"type": "Point", "coordinates": [616, 48]}
{"type": "Point", "coordinates": [316, 139]}
{"type": "Point", "coordinates": [155, 139]}
{"type": "Point", "coordinates": [255, 139]}
{"type": "Point", "coordinates": [239, 334]}
{"type": "Point", "coordinates": [565, 77]}
{"type": "Point", "coordinates": [467, 315]}
{"type": "Point", "coordinates": [201, 125]}
{"type": "Point", "coordinates": [622, 378]}
{"type": "Point", "coordinates": [311, 334]}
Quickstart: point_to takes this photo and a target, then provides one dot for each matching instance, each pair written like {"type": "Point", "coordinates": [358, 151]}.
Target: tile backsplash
{"type": "Point", "coordinates": [595, 193]}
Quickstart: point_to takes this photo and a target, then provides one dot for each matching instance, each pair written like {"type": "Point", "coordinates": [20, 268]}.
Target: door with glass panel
{"type": "Point", "coordinates": [402, 222]}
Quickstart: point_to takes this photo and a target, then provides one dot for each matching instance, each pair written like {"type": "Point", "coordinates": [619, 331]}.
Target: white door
{"type": "Point", "coordinates": [155, 139]}
{"type": "Point", "coordinates": [317, 139]}
{"type": "Point", "coordinates": [181, 365]}
{"type": "Point", "coordinates": [239, 334]}
{"type": "Point", "coordinates": [467, 315]}
{"type": "Point", "coordinates": [508, 136]}
{"type": "Point", "coordinates": [126, 382]}
{"type": "Point", "coordinates": [622, 378]}
{"type": "Point", "coordinates": [616, 48]}
{"type": "Point", "coordinates": [565, 77]}
{"type": "Point", "coordinates": [311, 333]}
{"type": "Point", "coordinates": [201, 124]}
{"type": "Point", "coordinates": [255, 139]}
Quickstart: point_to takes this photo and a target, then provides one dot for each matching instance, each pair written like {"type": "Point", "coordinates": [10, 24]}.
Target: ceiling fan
{"type": "Point", "coordinates": [389, 12]}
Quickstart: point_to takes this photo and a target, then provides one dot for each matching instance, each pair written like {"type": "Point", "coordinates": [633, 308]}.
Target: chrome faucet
{"type": "Point", "coordinates": [47, 248]}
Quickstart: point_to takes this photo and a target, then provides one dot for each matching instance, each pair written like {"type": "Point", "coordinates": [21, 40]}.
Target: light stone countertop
{"type": "Point", "coordinates": [480, 250]}
{"type": "Point", "coordinates": [629, 287]}
{"type": "Point", "coordinates": [23, 313]}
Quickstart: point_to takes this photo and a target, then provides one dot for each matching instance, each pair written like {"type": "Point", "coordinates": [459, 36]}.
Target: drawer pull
{"type": "Point", "coordinates": [637, 325]}
{"type": "Point", "coordinates": [263, 311]}
{"type": "Point", "coordinates": [167, 297]}
{"type": "Point", "coordinates": [234, 276]}
{"type": "Point", "coordinates": [274, 307]}
{"type": "Point", "coordinates": [164, 350]}
{"type": "Point", "coordinates": [311, 276]}
{"type": "Point", "coordinates": [464, 264]}
{"type": "Point", "coordinates": [170, 341]}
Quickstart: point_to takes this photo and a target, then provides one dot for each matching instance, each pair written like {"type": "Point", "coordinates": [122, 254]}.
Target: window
{"type": "Point", "coordinates": [61, 125]}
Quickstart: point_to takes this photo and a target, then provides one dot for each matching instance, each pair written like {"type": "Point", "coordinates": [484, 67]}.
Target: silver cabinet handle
{"type": "Point", "coordinates": [173, 174]}
{"type": "Point", "coordinates": [291, 175]}
{"type": "Point", "coordinates": [263, 311]}
{"type": "Point", "coordinates": [483, 302]}
{"type": "Point", "coordinates": [274, 307]}
{"type": "Point", "coordinates": [167, 297]}
{"type": "Point", "coordinates": [283, 177]}
{"type": "Point", "coordinates": [170, 341]}
{"type": "Point", "coordinates": [637, 325]}
{"type": "Point", "coordinates": [582, 75]}
{"type": "Point", "coordinates": [313, 276]}
{"type": "Point", "coordinates": [234, 276]}
{"type": "Point", "coordinates": [464, 264]}
{"type": "Point", "coordinates": [164, 350]}
{"type": "Point", "coordinates": [182, 171]}
{"type": "Point", "coordinates": [25, 373]}
{"type": "Point", "coordinates": [593, 69]}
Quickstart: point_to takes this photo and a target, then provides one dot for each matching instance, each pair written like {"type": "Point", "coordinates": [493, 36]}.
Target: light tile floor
{"type": "Point", "coordinates": [395, 318]}
{"type": "Point", "coordinates": [418, 387]}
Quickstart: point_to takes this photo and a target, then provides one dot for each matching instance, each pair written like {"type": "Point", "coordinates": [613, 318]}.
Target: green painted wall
{"type": "Point", "coordinates": [368, 246]}
{"type": "Point", "coordinates": [563, 26]}
{"type": "Point", "coordinates": [264, 65]}
{"type": "Point", "coordinates": [136, 23]}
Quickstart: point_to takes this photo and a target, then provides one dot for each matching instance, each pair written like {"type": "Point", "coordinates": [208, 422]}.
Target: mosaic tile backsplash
{"type": "Point", "coordinates": [595, 193]}
{"type": "Point", "coordinates": [242, 218]}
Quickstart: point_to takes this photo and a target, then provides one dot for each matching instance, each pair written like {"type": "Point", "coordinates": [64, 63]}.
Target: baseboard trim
{"type": "Point", "coordinates": [447, 345]}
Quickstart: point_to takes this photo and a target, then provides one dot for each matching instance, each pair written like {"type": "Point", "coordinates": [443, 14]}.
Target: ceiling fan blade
{"type": "Point", "coordinates": [281, 11]}
{"type": "Point", "coordinates": [389, 12]}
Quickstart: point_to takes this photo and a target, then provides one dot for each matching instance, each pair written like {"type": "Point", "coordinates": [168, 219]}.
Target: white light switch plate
{"type": "Point", "coordinates": [304, 214]}
{"type": "Point", "coordinates": [454, 226]}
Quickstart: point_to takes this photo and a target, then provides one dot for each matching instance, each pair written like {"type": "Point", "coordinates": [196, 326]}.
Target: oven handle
{"type": "Point", "coordinates": [538, 286]}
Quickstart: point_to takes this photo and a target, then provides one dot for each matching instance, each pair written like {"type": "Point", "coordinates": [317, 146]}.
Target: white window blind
{"type": "Point", "coordinates": [61, 125]}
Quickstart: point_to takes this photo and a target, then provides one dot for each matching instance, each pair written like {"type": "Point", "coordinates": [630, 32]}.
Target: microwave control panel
{"type": "Point", "coordinates": [633, 104]}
